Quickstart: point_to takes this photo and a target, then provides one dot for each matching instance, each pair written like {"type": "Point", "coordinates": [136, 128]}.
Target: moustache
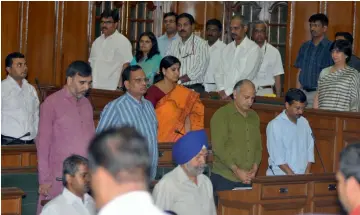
{"type": "Point", "coordinates": [234, 35]}
{"type": "Point", "coordinates": [104, 28]}
{"type": "Point", "coordinates": [182, 31]}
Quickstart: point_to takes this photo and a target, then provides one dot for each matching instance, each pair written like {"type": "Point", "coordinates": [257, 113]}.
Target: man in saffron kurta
{"type": "Point", "coordinates": [66, 127]}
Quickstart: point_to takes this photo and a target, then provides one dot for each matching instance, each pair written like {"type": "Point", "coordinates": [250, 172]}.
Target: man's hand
{"type": "Point", "coordinates": [243, 176]}
{"type": "Point", "coordinates": [44, 189]}
{"type": "Point", "coordinates": [253, 171]}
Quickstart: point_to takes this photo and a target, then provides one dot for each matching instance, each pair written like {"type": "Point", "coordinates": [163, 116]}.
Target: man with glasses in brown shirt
{"type": "Point", "coordinates": [236, 140]}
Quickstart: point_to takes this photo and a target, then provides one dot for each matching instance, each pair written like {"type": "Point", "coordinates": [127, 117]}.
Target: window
{"type": "Point", "coordinates": [250, 10]}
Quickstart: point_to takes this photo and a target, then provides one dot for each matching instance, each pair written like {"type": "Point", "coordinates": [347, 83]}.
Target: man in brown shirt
{"type": "Point", "coordinates": [236, 140]}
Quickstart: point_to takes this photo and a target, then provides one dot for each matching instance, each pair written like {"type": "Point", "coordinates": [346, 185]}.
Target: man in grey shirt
{"type": "Point", "coordinates": [354, 60]}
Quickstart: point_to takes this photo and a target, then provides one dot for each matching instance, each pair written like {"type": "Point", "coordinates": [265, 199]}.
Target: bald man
{"type": "Point", "coordinates": [236, 140]}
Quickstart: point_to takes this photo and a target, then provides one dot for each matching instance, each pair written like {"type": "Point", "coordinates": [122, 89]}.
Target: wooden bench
{"type": "Point", "coordinates": [11, 198]}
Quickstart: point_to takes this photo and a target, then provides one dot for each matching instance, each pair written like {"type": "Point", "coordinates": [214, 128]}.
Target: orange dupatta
{"type": "Point", "coordinates": [172, 110]}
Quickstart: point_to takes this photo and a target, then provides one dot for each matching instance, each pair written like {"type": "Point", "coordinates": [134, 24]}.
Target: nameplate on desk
{"type": "Point", "coordinates": [242, 188]}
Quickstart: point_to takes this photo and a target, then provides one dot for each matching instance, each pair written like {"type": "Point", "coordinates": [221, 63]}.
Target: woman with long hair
{"type": "Point", "coordinates": [178, 109]}
{"type": "Point", "coordinates": [339, 85]}
{"type": "Point", "coordinates": [147, 55]}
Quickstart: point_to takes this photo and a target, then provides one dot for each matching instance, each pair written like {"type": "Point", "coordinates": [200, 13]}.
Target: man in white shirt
{"type": "Point", "coordinates": [271, 67]}
{"type": "Point", "coordinates": [170, 34]}
{"type": "Point", "coordinates": [19, 103]}
{"type": "Point", "coordinates": [110, 53]}
{"type": "Point", "coordinates": [186, 190]}
{"type": "Point", "coordinates": [120, 169]}
{"type": "Point", "coordinates": [192, 51]}
{"type": "Point", "coordinates": [240, 59]}
{"type": "Point", "coordinates": [74, 200]}
{"type": "Point", "coordinates": [213, 34]}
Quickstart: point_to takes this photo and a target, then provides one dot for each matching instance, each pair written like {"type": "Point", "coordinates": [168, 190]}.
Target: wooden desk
{"type": "Point", "coordinates": [288, 195]}
{"type": "Point", "coordinates": [18, 158]}
{"type": "Point", "coordinates": [11, 198]}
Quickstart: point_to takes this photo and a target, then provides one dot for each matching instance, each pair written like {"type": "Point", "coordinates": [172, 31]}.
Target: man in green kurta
{"type": "Point", "coordinates": [236, 140]}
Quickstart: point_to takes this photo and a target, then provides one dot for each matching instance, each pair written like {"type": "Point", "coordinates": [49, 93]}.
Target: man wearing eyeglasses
{"type": "Point", "coordinates": [193, 53]}
{"type": "Point", "coordinates": [110, 53]}
{"type": "Point", "coordinates": [132, 109]}
{"type": "Point", "coordinates": [171, 32]}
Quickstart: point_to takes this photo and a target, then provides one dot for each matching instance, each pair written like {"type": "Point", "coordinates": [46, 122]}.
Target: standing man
{"type": "Point", "coordinates": [213, 34]}
{"type": "Point", "coordinates": [354, 60]}
{"type": "Point", "coordinates": [66, 126]}
{"type": "Point", "coordinates": [314, 55]}
{"type": "Point", "coordinates": [193, 53]}
{"type": "Point", "coordinates": [236, 140]}
{"type": "Point", "coordinates": [120, 166]}
{"type": "Point", "coordinates": [134, 110]}
{"type": "Point", "coordinates": [178, 189]}
{"type": "Point", "coordinates": [271, 67]}
{"type": "Point", "coordinates": [290, 141]}
{"type": "Point", "coordinates": [240, 59]}
{"type": "Point", "coordinates": [110, 53]}
{"type": "Point", "coordinates": [171, 32]}
{"type": "Point", "coordinates": [74, 198]}
{"type": "Point", "coordinates": [19, 103]}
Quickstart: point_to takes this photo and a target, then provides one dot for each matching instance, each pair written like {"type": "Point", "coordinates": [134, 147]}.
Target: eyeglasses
{"type": "Point", "coordinates": [106, 22]}
{"type": "Point", "coordinates": [140, 80]}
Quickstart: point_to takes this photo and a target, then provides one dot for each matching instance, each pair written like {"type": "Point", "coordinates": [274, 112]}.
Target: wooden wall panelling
{"type": "Point", "coordinates": [356, 29]}
{"type": "Point", "coordinates": [339, 22]}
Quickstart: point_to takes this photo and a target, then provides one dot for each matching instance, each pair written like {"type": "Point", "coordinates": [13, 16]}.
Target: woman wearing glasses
{"type": "Point", "coordinates": [339, 85]}
{"type": "Point", "coordinates": [147, 55]}
{"type": "Point", "coordinates": [178, 109]}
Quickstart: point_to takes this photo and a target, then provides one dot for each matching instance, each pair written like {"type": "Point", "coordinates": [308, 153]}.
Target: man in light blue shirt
{"type": "Point", "coordinates": [171, 32]}
{"type": "Point", "coordinates": [132, 109]}
{"type": "Point", "coordinates": [290, 141]}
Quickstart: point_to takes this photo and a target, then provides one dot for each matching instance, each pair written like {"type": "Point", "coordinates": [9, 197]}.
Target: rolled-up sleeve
{"type": "Point", "coordinates": [275, 145]}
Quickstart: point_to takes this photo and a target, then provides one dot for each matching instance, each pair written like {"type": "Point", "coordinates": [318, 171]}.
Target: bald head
{"type": "Point", "coordinates": [245, 83]}
{"type": "Point", "coordinates": [244, 95]}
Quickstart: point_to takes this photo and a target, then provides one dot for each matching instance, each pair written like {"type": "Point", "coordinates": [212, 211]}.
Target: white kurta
{"type": "Point", "coordinates": [176, 192]}
{"type": "Point", "coordinates": [107, 58]}
{"type": "Point", "coordinates": [214, 63]}
{"type": "Point", "coordinates": [238, 63]}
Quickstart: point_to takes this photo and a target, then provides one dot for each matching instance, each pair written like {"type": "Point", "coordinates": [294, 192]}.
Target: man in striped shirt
{"type": "Point", "coordinates": [192, 51]}
{"type": "Point", "coordinates": [132, 109]}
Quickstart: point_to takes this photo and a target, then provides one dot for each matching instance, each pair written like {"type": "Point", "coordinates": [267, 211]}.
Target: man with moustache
{"type": "Point", "coordinates": [74, 199]}
{"type": "Point", "coordinates": [314, 55]}
{"type": "Point", "coordinates": [133, 109]}
{"type": "Point", "coordinates": [110, 53]}
{"type": "Point", "coordinates": [66, 126]}
{"type": "Point", "coordinates": [290, 141]}
{"type": "Point", "coordinates": [19, 103]}
{"type": "Point", "coordinates": [216, 46]}
{"type": "Point", "coordinates": [185, 190]}
{"type": "Point", "coordinates": [354, 60]}
{"type": "Point", "coordinates": [271, 67]}
{"type": "Point", "coordinates": [170, 34]}
{"type": "Point", "coordinates": [236, 140]}
{"type": "Point", "coordinates": [240, 59]}
{"type": "Point", "coordinates": [193, 53]}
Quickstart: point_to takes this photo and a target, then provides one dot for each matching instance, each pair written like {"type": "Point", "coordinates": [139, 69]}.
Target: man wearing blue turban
{"type": "Point", "coordinates": [185, 190]}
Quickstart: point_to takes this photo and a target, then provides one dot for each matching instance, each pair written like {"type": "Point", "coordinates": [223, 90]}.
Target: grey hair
{"type": "Point", "coordinates": [350, 161]}
{"type": "Point", "coordinates": [240, 83]}
{"type": "Point", "coordinates": [71, 166]}
{"type": "Point", "coordinates": [254, 23]}
{"type": "Point", "coordinates": [244, 22]}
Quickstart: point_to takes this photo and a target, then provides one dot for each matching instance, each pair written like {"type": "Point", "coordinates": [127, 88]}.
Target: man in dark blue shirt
{"type": "Point", "coordinates": [314, 56]}
{"type": "Point", "coordinates": [354, 60]}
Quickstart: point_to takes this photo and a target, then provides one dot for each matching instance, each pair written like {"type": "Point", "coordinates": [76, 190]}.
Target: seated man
{"type": "Point", "coordinates": [348, 178]}
{"type": "Point", "coordinates": [74, 199]}
{"type": "Point", "coordinates": [290, 140]}
{"type": "Point", "coordinates": [185, 190]}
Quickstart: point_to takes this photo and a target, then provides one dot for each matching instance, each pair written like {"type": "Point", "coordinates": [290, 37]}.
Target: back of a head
{"type": "Point", "coordinates": [294, 94]}
{"type": "Point", "coordinates": [121, 150]}
{"type": "Point", "coordinates": [350, 161]}
{"type": "Point", "coordinates": [80, 68]}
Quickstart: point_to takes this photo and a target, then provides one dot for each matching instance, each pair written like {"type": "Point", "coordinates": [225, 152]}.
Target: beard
{"type": "Point", "coordinates": [195, 170]}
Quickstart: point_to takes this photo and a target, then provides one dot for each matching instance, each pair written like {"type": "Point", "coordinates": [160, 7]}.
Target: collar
{"type": "Point", "coordinates": [70, 197]}
{"type": "Point", "coordinates": [111, 36]}
{"type": "Point", "coordinates": [13, 82]}
{"type": "Point", "coordinates": [165, 37]}
{"type": "Point", "coordinates": [70, 96]}
{"type": "Point", "coordinates": [182, 177]}
{"type": "Point", "coordinates": [283, 115]}
{"type": "Point", "coordinates": [216, 44]}
{"type": "Point", "coordinates": [323, 42]}
{"type": "Point", "coordinates": [189, 40]}
{"type": "Point", "coordinates": [133, 100]}
{"type": "Point", "coordinates": [264, 46]}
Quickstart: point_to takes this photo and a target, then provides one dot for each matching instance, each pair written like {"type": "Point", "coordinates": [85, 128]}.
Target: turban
{"type": "Point", "coordinates": [188, 146]}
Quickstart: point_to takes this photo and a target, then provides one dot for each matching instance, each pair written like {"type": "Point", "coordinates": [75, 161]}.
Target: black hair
{"type": "Point", "coordinates": [11, 56]}
{"type": "Point", "coordinates": [215, 22]}
{"type": "Point", "coordinates": [121, 149]}
{"type": "Point", "coordinates": [71, 166]}
{"type": "Point", "coordinates": [80, 68]}
{"type": "Point", "coordinates": [154, 49]}
{"type": "Point", "coordinates": [126, 74]}
{"type": "Point", "coordinates": [342, 46]}
{"type": "Point", "coordinates": [350, 161]}
{"type": "Point", "coordinates": [110, 14]}
{"type": "Point", "coordinates": [319, 17]}
{"type": "Point", "coordinates": [186, 15]}
{"type": "Point", "coordinates": [294, 94]}
{"type": "Point", "coordinates": [170, 14]}
{"type": "Point", "coordinates": [165, 63]}
{"type": "Point", "coordinates": [346, 35]}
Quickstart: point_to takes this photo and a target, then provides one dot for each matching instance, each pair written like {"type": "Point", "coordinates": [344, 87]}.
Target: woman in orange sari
{"type": "Point", "coordinates": [178, 109]}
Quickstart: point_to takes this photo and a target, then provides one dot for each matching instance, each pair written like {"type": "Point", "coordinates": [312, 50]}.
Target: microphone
{"type": "Point", "coordinates": [317, 150]}
{"type": "Point", "coordinates": [178, 132]}
{"type": "Point", "coordinates": [270, 166]}
{"type": "Point", "coordinates": [25, 135]}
